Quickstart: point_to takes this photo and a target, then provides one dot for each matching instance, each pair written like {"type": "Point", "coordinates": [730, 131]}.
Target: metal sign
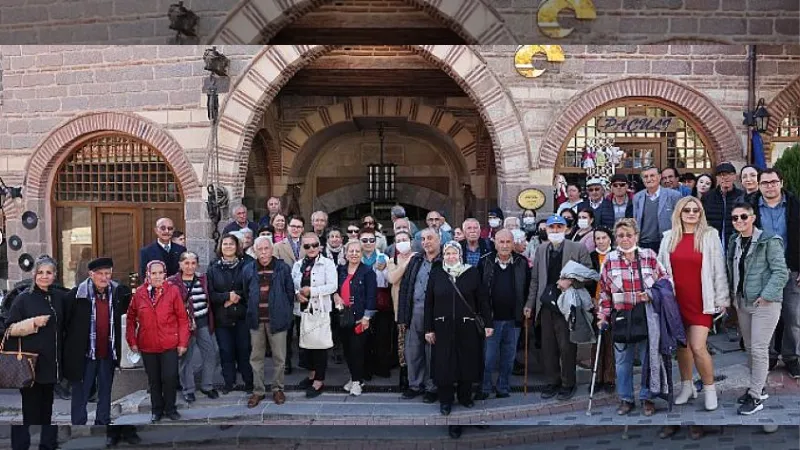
{"type": "Point", "coordinates": [532, 199]}
{"type": "Point", "coordinates": [637, 124]}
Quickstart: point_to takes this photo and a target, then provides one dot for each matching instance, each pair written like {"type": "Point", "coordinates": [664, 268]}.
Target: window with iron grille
{"type": "Point", "coordinates": [790, 125]}
{"type": "Point", "coordinates": [116, 168]}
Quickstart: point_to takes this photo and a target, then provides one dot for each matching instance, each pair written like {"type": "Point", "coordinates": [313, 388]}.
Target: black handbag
{"type": "Point", "coordinates": [479, 322]}
{"type": "Point", "coordinates": [347, 317]}
{"type": "Point", "coordinates": [630, 326]}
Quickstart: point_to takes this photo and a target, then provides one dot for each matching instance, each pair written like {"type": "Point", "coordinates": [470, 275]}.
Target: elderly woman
{"type": "Point", "coordinates": [158, 327]}
{"type": "Point", "coordinates": [334, 247]}
{"type": "Point", "coordinates": [606, 372]}
{"type": "Point", "coordinates": [757, 272]}
{"type": "Point", "coordinates": [511, 223]}
{"type": "Point", "coordinates": [355, 301]}
{"type": "Point", "coordinates": [193, 287]}
{"type": "Point", "coordinates": [627, 275]}
{"type": "Point", "coordinates": [396, 270]}
{"type": "Point", "coordinates": [37, 319]}
{"type": "Point", "coordinates": [457, 318]}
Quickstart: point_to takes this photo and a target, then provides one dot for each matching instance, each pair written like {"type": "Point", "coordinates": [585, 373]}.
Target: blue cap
{"type": "Point", "coordinates": [556, 220]}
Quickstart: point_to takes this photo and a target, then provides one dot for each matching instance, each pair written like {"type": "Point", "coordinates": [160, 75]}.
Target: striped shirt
{"type": "Point", "coordinates": [199, 301]}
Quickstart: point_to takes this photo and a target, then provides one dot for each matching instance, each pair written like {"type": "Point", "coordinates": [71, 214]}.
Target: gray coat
{"type": "Point", "coordinates": [573, 251]}
{"type": "Point", "coordinates": [667, 198]}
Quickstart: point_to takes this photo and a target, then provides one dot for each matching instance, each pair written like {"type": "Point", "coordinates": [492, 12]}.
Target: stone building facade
{"type": "Point", "coordinates": [303, 117]}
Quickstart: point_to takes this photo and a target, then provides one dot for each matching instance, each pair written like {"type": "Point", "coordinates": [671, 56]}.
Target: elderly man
{"type": "Point", "coordinates": [603, 209]}
{"type": "Point", "coordinates": [671, 179]}
{"type": "Point", "coordinates": [474, 245]}
{"type": "Point", "coordinates": [269, 316]}
{"type": "Point", "coordinates": [273, 207]}
{"type": "Point", "coordinates": [434, 220]}
{"type": "Point", "coordinates": [319, 223]}
{"type": "Point", "coordinates": [239, 221]}
{"type": "Point", "coordinates": [93, 326]}
{"type": "Point", "coordinates": [398, 212]}
{"type": "Point", "coordinates": [652, 209]}
{"type": "Point", "coordinates": [411, 311]}
{"type": "Point", "coordinates": [163, 249]}
{"type": "Point", "coordinates": [403, 226]}
{"type": "Point", "coordinates": [620, 198]}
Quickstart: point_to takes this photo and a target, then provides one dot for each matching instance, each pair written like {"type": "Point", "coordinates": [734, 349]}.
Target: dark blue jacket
{"type": "Point", "coordinates": [604, 214]}
{"type": "Point", "coordinates": [234, 226]}
{"type": "Point", "coordinates": [281, 298]}
{"type": "Point", "coordinates": [154, 252]}
{"type": "Point", "coordinates": [671, 324]}
{"type": "Point", "coordinates": [223, 280]}
{"type": "Point", "coordinates": [363, 288]}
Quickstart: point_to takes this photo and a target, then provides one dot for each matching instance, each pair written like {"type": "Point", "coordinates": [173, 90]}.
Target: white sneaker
{"type": "Point", "coordinates": [687, 391]}
{"type": "Point", "coordinates": [348, 386]}
{"type": "Point", "coordinates": [355, 389]}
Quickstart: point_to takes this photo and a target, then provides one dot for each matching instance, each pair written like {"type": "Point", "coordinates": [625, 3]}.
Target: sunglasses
{"type": "Point", "coordinates": [618, 185]}
{"type": "Point", "coordinates": [367, 240]}
{"type": "Point", "coordinates": [352, 231]}
{"type": "Point", "coordinates": [593, 189]}
{"type": "Point", "coordinates": [163, 228]}
{"type": "Point", "coordinates": [742, 217]}
{"type": "Point", "coordinates": [310, 246]}
{"type": "Point", "coordinates": [691, 210]}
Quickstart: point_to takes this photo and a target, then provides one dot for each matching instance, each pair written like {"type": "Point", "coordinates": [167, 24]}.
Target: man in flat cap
{"type": "Point", "coordinates": [94, 312]}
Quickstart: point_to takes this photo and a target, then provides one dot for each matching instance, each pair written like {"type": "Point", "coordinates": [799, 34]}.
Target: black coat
{"type": "Point", "coordinates": [458, 352]}
{"type": "Point", "coordinates": [522, 280]}
{"type": "Point", "coordinates": [484, 245]}
{"type": "Point", "coordinates": [78, 324]}
{"type": "Point", "coordinates": [405, 298]}
{"type": "Point", "coordinates": [792, 226]}
{"type": "Point", "coordinates": [223, 280]}
{"type": "Point", "coordinates": [604, 214]}
{"type": "Point", "coordinates": [155, 252]}
{"type": "Point", "coordinates": [48, 342]}
{"type": "Point", "coordinates": [718, 210]}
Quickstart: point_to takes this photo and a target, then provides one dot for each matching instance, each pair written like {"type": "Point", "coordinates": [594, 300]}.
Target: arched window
{"type": "Point", "coordinates": [786, 134]}
{"type": "Point", "coordinates": [681, 146]}
{"type": "Point", "coordinates": [107, 195]}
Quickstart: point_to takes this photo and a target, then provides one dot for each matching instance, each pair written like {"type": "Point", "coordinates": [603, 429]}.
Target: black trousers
{"type": "Point", "coordinates": [318, 362]}
{"type": "Point", "coordinates": [448, 392]}
{"type": "Point", "coordinates": [37, 409]}
{"type": "Point", "coordinates": [162, 377]}
{"type": "Point", "coordinates": [353, 345]}
{"type": "Point", "coordinates": [380, 354]}
{"type": "Point", "coordinates": [292, 334]}
{"type": "Point", "coordinates": [559, 355]}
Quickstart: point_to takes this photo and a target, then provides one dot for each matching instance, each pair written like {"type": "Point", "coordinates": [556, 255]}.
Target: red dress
{"type": "Point", "coordinates": [687, 264]}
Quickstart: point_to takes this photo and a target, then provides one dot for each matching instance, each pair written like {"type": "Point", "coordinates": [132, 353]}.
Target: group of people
{"type": "Point", "coordinates": [445, 304]}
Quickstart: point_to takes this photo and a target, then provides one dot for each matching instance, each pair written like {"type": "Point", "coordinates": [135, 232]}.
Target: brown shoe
{"type": "Point", "coordinates": [254, 400]}
{"type": "Point", "coordinates": [625, 408]}
{"type": "Point", "coordinates": [668, 431]}
{"type": "Point", "coordinates": [648, 408]}
{"type": "Point", "coordinates": [279, 397]}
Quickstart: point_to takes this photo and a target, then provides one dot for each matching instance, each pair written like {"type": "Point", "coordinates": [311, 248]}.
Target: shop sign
{"type": "Point", "coordinates": [532, 199]}
{"type": "Point", "coordinates": [637, 124]}
{"type": "Point", "coordinates": [549, 11]}
{"type": "Point", "coordinates": [523, 58]}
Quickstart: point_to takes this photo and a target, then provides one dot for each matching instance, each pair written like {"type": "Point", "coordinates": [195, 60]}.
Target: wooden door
{"type": "Point", "coordinates": [639, 155]}
{"type": "Point", "coordinates": [119, 237]}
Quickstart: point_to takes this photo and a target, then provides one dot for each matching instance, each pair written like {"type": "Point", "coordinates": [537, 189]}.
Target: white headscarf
{"type": "Point", "coordinates": [457, 269]}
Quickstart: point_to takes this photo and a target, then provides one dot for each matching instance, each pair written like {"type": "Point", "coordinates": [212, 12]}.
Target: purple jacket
{"type": "Point", "coordinates": [672, 331]}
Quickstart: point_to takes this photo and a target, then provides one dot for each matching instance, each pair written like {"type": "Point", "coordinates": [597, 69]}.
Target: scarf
{"type": "Point", "coordinates": [229, 264]}
{"type": "Point", "coordinates": [454, 270]}
{"type": "Point", "coordinates": [600, 252]}
{"type": "Point", "coordinates": [370, 260]}
{"type": "Point", "coordinates": [87, 290]}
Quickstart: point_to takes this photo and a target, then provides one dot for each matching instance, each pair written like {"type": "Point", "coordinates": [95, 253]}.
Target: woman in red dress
{"type": "Point", "coordinates": [691, 252]}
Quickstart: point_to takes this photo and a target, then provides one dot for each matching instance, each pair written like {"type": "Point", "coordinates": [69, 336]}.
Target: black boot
{"type": "Point", "coordinates": [403, 378]}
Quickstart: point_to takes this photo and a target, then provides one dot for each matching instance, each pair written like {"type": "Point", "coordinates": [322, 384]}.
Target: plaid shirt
{"type": "Point", "coordinates": [619, 280]}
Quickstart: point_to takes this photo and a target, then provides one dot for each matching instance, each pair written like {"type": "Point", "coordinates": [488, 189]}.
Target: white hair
{"type": "Point", "coordinates": [260, 240]}
{"type": "Point", "coordinates": [318, 213]}
{"type": "Point", "coordinates": [519, 236]}
{"type": "Point", "coordinates": [246, 230]}
{"type": "Point", "coordinates": [510, 220]}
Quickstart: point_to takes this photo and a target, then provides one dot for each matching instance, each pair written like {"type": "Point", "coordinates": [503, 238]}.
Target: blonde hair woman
{"type": "Point", "coordinates": [691, 253]}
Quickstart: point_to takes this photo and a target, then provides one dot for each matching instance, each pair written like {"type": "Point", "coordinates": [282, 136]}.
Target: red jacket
{"type": "Point", "coordinates": [162, 327]}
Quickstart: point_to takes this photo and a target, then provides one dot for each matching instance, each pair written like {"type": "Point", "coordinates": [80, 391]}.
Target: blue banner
{"type": "Point", "coordinates": [759, 159]}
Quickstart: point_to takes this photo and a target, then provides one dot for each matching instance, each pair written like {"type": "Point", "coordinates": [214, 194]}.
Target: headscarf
{"type": "Point", "coordinates": [155, 292]}
{"type": "Point", "coordinates": [457, 269]}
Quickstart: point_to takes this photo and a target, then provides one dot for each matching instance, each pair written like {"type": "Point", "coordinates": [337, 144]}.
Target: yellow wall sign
{"type": "Point", "coordinates": [531, 199]}
{"type": "Point", "coordinates": [547, 17]}
{"type": "Point", "coordinates": [523, 58]}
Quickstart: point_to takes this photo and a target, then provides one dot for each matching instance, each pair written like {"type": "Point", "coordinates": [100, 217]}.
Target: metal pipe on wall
{"type": "Point", "coordinates": [751, 96]}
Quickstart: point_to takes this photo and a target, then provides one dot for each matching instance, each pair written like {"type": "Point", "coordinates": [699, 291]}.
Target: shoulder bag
{"type": "Point", "coordinates": [17, 368]}
{"type": "Point", "coordinates": [479, 322]}
{"type": "Point", "coordinates": [630, 326]}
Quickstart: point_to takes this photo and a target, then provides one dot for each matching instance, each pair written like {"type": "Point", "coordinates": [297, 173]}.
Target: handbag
{"type": "Point", "coordinates": [383, 300]}
{"type": "Point", "coordinates": [347, 317]}
{"type": "Point", "coordinates": [479, 322]}
{"type": "Point", "coordinates": [315, 329]}
{"type": "Point", "coordinates": [630, 326]}
{"type": "Point", "coordinates": [17, 368]}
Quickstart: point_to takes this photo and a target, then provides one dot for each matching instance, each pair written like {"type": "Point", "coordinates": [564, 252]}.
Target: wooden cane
{"type": "Point", "coordinates": [525, 381]}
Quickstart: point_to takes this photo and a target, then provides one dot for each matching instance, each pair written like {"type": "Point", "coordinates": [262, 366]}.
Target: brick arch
{"type": "Point", "coordinates": [56, 146]}
{"type": "Point", "coordinates": [709, 121]}
{"type": "Point", "coordinates": [780, 106]}
{"type": "Point", "coordinates": [273, 66]}
{"type": "Point", "coordinates": [258, 21]}
{"type": "Point", "coordinates": [353, 107]}
{"type": "Point", "coordinates": [409, 194]}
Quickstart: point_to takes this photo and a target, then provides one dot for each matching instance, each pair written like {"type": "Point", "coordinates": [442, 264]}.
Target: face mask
{"type": "Point", "coordinates": [583, 224]}
{"type": "Point", "coordinates": [494, 222]}
{"type": "Point", "coordinates": [403, 247]}
{"type": "Point", "coordinates": [555, 238]}
{"type": "Point", "coordinates": [570, 222]}
{"type": "Point", "coordinates": [635, 248]}
{"type": "Point", "coordinates": [542, 235]}
{"type": "Point", "coordinates": [529, 220]}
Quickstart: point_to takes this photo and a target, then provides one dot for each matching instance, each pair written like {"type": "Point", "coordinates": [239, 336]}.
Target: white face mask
{"type": "Point", "coordinates": [403, 247]}
{"type": "Point", "coordinates": [632, 249]}
{"type": "Point", "coordinates": [555, 238]}
{"type": "Point", "coordinates": [529, 220]}
{"type": "Point", "coordinates": [583, 224]}
{"type": "Point", "coordinates": [494, 222]}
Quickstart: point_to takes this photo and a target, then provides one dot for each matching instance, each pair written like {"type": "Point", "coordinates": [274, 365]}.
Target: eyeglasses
{"type": "Point", "coordinates": [691, 210]}
{"type": "Point", "coordinates": [367, 240]}
{"type": "Point", "coordinates": [163, 228]}
{"type": "Point", "coordinates": [295, 226]}
{"type": "Point", "coordinates": [618, 185]}
{"type": "Point", "coordinates": [310, 246]}
{"type": "Point", "coordinates": [742, 217]}
{"type": "Point", "coordinates": [771, 183]}
{"type": "Point", "coordinates": [352, 231]}
{"type": "Point", "coordinates": [594, 189]}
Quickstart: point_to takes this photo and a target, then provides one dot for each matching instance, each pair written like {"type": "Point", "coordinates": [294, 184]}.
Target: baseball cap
{"type": "Point", "coordinates": [619, 178]}
{"type": "Point", "coordinates": [725, 167]}
{"type": "Point", "coordinates": [556, 220]}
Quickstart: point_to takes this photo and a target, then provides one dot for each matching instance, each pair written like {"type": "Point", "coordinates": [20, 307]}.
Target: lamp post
{"type": "Point", "coordinates": [217, 64]}
{"type": "Point", "coordinates": [381, 177]}
{"type": "Point", "coordinates": [757, 121]}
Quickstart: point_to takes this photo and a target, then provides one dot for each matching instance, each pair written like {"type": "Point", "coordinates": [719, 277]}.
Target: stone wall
{"type": "Point", "coordinates": [477, 21]}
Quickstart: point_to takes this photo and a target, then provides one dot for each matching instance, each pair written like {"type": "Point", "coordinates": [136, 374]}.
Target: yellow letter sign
{"type": "Point", "coordinates": [549, 10]}
{"type": "Point", "coordinates": [523, 58]}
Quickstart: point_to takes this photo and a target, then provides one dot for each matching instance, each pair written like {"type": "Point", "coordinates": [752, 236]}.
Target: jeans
{"type": "Point", "coordinates": [201, 340]}
{"type": "Point", "coordinates": [501, 344]}
{"type": "Point", "coordinates": [790, 313]}
{"type": "Point", "coordinates": [234, 352]}
{"type": "Point", "coordinates": [625, 354]}
{"type": "Point", "coordinates": [101, 370]}
{"type": "Point", "coordinates": [277, 342]}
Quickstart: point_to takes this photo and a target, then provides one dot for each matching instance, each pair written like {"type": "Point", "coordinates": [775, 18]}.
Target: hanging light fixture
{"type": "Point", "coordinates": [381, 177]}
{"type": "Point", "coordinates": [13, 192]}
{"type": "Point", "coordinates": [182, 20]}
{"type": "Point", "coordinates": [216, 62]}
{"type": "Point", "coordinates": [758, 118]}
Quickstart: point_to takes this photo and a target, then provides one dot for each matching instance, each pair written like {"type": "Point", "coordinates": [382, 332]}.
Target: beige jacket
{"type": "Point", "coordinates": [712, 274]}
{"type": "Point", "coordinates": [283, 250]}
{"type": "Point", "coordinates": [395, 276]}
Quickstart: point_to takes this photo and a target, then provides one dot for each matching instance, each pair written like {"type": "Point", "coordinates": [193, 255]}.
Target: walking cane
{"type": "Point", "coordinates": [525, 381]}
{"type": "Point", "coordinates": [594, 372]}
